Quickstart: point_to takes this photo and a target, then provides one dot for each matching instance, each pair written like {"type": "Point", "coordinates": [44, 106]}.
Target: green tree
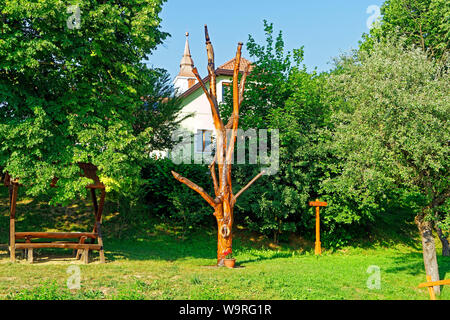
{"type": "Point", "coordinates": [72, 89]}
{"type": "Point", "coordinates": [424, 23]}
{"type": "Point", "coordinates": [391, 113]}
{"type": "Point", "coordinates": [267, 85]}
{"type": "Point", "coordinates": [420, 23]}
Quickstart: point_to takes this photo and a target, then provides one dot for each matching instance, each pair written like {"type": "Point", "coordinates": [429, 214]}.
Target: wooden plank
{"type": "Point", "coordinates": [58, 245]}
{"type": "Point", "coordinates": [55, 235]}
{"type": "Point", "coordinates": [95, 186]}
{"type": "Point", "coordinates": [318, 204]}
{"type": "Point", "coordinates": [434, 283]}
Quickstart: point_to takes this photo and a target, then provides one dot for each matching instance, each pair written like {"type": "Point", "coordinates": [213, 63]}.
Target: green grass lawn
{"type": "Point", "coordinates": [153, 262]}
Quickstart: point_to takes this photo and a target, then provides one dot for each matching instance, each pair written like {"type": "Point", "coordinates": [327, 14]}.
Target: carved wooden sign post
{"type": "Point", "coordinates": [318, 204]}
{"type": "Point", "coordinates": [224, 200]}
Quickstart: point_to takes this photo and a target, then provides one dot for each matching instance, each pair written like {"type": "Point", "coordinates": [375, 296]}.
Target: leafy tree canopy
{"type": "Point", "coordinates": [424, 23]}
{"type": "Point", "coordinates": [267, 85]}
{"type": "Point", "coordinates": [73, 88]}
{"type": "Point", "coordinates": [391, 113]}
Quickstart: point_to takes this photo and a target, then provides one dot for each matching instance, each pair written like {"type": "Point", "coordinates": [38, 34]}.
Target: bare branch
{"type": "Point", "coordinates": [196, 188]}
{"type": "Point", "coordinates": [232, 141]}
{"type": "Point", "coordinates": [212, 168]}
{"type": "Point", "coordinates": [214, 108]}
{"type": "Point", "coordinates": [229, 124]}
{"type": "Point", "coordinates": [242, 84]}
{"type": "Point", "coordinates": [211, 66]}
{"type": "Point", "coordinates": [247, 186]}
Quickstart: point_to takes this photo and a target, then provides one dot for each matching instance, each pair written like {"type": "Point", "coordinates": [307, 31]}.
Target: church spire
{"type": "Point", "coordinates": [186, 63]}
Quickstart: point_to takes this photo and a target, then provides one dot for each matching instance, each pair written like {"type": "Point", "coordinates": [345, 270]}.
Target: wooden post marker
{"type": "Point", "coordinates": [318, 204]}
{"type": "Point", "coordinates": [430, 284]}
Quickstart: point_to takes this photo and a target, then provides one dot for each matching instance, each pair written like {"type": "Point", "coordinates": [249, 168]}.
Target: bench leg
{"type": "Point", "coordinates": [30, 255]}
{"type": "Point", "coordinates": [102, 255]}
{"type": "Point", "coordinates": [80, 251]}
{"type": "Point", "coordinates": [100, 242]}
{"type": "Point", "coordinates": [12, 223]}
{"type": "Point", "coordinates": [86, 256]}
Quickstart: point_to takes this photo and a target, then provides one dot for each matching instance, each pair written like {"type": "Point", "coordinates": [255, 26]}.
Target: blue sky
{"type": "Point", "coordinates": [326, 28]}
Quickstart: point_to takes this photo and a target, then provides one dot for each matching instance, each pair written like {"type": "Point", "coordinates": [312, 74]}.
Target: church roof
{"type": "Point", "coordinates": [229, 65]}
{"type": "Point", "coordinates": [225, 69]}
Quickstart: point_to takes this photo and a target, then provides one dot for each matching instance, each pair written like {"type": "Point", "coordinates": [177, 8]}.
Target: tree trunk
{"type": "Point", "coordinates": [444, 241]}
{"type": "Point", "coordinates": [224, 233]}
{"type": "Point", "coordinates": [429, 248]}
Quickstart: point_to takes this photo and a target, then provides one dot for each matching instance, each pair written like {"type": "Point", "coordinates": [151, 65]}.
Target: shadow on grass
{"type": "Point", "coordinates": [391, 228]}
{"type": "Point", "coordinates": [258, 257]}
{"type": "Point", "coordinates": [138, 236]}
{"type": "Point", "coordinates": [412, 263]}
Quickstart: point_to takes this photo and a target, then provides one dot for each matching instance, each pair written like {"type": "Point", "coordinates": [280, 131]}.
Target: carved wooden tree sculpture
{"type": "Point", "coordinates": [225, 200]}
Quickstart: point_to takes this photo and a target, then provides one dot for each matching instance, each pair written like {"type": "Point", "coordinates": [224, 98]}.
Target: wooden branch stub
{"type": "Point", "coordinates": [247, 186]}
{"type": "Point", "coordinates": [214, 108]}
{"type": "Point", "coordinates": [242, 84]}
{"type": "Point", "coordinates": [195, 187]}
{"type": "Point", "coordinates": [211, 66]}
{"type": "Point", "coordinates": [208, 40]}
{"type": "Point", "coordinates": [230, 147]}
{"type": "Point", "coordinates": [212, 169]}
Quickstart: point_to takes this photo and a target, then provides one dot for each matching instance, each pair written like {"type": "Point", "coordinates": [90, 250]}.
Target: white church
{"type": "Point", "coordinates": [194, 100]}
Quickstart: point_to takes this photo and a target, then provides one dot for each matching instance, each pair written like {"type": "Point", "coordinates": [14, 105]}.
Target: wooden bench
{"type": "Point", "coordinates": [79, 238]}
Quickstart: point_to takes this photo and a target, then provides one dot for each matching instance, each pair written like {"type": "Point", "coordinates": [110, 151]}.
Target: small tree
{"type": "Point", "coordinates": [424, 24]}
{"type": "Point", "coordinates": [225, 199]}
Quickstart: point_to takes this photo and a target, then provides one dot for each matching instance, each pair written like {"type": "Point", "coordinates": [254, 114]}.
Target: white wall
{"type": "Point", "coordinates": [198, 104]}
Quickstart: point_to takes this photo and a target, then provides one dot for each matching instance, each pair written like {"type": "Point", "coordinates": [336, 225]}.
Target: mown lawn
{"type": "Point", "coordinates": [153, 263]}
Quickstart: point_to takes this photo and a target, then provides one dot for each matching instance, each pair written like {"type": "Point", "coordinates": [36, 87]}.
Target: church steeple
{"type": "Point", "coordinates": [186, 63]}
{"type": "Point", "coordinates": [185, 78]}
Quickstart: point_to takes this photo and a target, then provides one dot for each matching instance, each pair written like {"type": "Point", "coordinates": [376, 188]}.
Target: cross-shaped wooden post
{"type": "Point", "coordinates": [430, 284]}
{"type": "Point", "coordinates": [318, 204]}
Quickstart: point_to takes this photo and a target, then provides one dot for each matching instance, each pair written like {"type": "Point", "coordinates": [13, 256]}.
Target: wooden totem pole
{"type": "Point", "coordinates": [224, 200]}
